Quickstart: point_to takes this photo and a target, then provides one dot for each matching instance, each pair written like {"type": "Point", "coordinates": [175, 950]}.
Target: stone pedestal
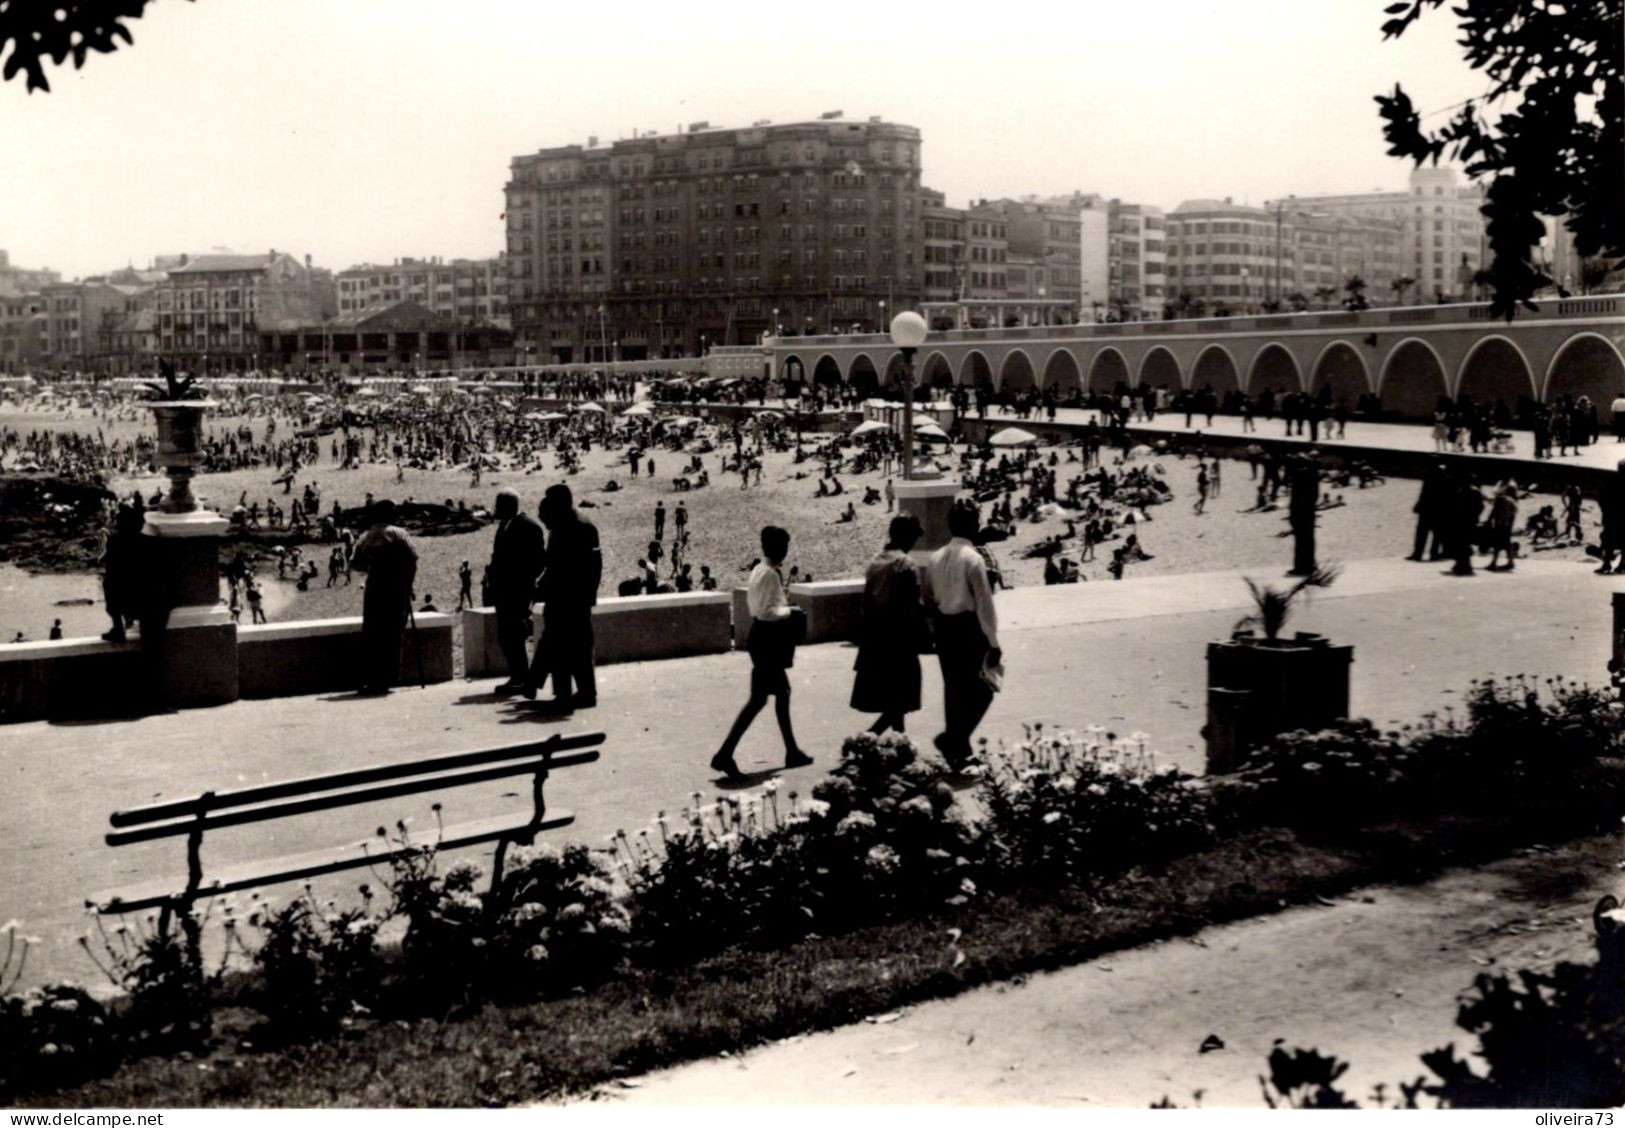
{"type": "Point", "coordinates": [200, 646]}
{"type": "Point", "coordinates": [928, 500]}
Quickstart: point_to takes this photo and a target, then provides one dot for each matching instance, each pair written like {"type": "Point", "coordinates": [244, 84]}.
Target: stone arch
{"type": "Point", "coordinates": [936, 372]}
{"type": "Point", "coordinates": [791, 368]}
{"type": "Point", "coordinates": [1061, 371]}
{"type": "Point", "coordinates": [1107, 370]}
{"type": "Point", "coordinates": [1495, 368]}
{"type": "Point", "coordinates": [1586, 364]}
{"type": "Point", "coordinates": [1160, 368]}
{"type": "Point", "coordinates": [1274, 367]}
{"type": "Point", "coordinates": [975, 370]}
{"type": "Point", "coordinates": [1412, 379]}
{"type": "Point", "coordinates": [1341, 368]}
{"type": "Point", "coordinates": [862, 375]}
{"type": "Point", "coordinates": [1216, 367]}
{"type": "Point", "coordinates": [1015, 374]}
{"type": "Point", "coordinates": [827, 371]}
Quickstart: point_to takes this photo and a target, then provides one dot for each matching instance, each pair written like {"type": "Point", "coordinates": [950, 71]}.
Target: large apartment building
{"type": "Point", "coordinates": [473, 291]}
{"type": "Point", "coordinates": [1441, 231]}
{"type": "Point", "coordinates": [18, 280]}
{"type": "Point", "coordinates": [664, 243]}
{"type": "Point", "coordinates": [1234, 257]}
{"type": "Point", "coordinates": [211, 309]}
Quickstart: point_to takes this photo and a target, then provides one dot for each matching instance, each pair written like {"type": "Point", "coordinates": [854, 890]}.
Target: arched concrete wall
{"type": "Point", "coordinates": [1061, 371]}
{"type": "Point", "coordinates": [1216, 365]}
{"type": "Point", "coordinates": [1341, 367]}
{"type": "Point", "coordinates": [1273, 366]}
{"type": "Point", "coordinates": [1586, 364]}
{"type": "Point", "coordinates": [1412, 378]}
{"type": "Point", "coordinates": [1495, 368]}
{"type": "Point", "coordinates": [975, 370]}
{"type": "Point", "coordinates": [828, 371]}
{"type": "Point", "coordinates": [936, 372]}
{"type": "Point", "coordinates": [1016, 371]}
{"type": "Point", "coordinates": [1158, 368]}
{"type": "Point", "coordinates": [1107, 370]}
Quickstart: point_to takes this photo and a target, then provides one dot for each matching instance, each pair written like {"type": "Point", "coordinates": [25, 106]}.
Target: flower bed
{"type": "Point", "coordinates": [885, 840]}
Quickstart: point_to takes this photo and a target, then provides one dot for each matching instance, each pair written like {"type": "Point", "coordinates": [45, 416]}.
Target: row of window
{"type": "Point", "coordinates": [566, 171]}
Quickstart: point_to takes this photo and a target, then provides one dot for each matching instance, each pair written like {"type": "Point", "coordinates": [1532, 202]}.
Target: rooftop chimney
{"type": "Point", "coordinates": [307, 262]}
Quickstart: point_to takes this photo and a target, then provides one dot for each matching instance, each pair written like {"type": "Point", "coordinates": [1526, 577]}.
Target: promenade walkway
{"type": "Point", "coordinates": [1127, 655]}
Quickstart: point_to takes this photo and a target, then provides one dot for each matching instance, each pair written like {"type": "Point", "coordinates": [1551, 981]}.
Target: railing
{"type": "Point", "coordinates": [1340, 319]}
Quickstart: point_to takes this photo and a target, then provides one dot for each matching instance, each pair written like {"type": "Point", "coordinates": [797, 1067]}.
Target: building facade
{"type": "Point", "coordinates": [1441, 229]}
{"type": "Point", "coordinates": [472, 291]}
{"type": "Point", "coordinates": [661, 244]}
{"type": "Point", "coordinates": [943, 255]}
{"type": "Point", "coordinates": [211, 309]}
{"type": "Point", "coordinates": [80, 318]}
{"type": "Point", "coordinates": [987, 249]}
{"type": "Point", "coordinates": [22, 332]}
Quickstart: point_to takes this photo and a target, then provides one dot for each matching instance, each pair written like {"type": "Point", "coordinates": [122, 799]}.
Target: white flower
{"type": "Point", "coordinates": [11, 925]}
{"type": "Point", "coordinates": [854, 821]}
{"type": "Point", "coordinates": [536, 952]}
{"type": "Point", "coordinates": [573, 911]}
{"type": "Point", "coordinates": [1052, 817]}
{"type": "Point", "coordinates": [48, 1048]}
{"type": "Point", "coordinates": [817, 807]}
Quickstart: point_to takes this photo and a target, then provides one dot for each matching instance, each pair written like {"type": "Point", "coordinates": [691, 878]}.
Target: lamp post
{"type": "Point", "coordinates": [1244, 294]}
{"type": "Point", "coordinates": [882, 311]}
{"type": "Point", "coordinates": [908, 332]}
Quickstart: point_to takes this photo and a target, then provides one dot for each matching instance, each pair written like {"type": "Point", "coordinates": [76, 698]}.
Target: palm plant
{"type": "Point", "coordinates": [1275, 605]}
{"type": "Point", "coordinates": [172, 388]}
{"type": "Point", "coordinates": [1298, 301]}
{"type": "Point", "coordinates": [1323, 294]}
{"type": "Point", "coordinates": [1400, 285]}
{"type": "Point", "coordinates": [1355, 285]}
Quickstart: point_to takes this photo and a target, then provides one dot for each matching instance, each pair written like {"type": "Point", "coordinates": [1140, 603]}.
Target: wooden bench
{"type": "Point", "coordinates": [192, 818]}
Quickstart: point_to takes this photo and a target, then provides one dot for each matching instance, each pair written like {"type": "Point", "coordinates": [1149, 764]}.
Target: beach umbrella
{"type": "Point", "coordinates": [421, 389]}
{"type": "Point", "coordinates": [770, 415]}
{"type": "Point", "coordinates": [868, 428]}
{"type": "Point", "coordinates": [1141, 451]}
{"type": "Point", "coordinates": [930, 431]}
{"type": "Point", "coordinates": [638, 409]}
{"type": "Point", "coordinates": [1014, 436]}
{"type": "Point", "coordinates": [593, 408]}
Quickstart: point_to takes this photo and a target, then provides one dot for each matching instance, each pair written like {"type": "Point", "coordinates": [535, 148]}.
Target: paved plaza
{"type": "Point", "coordinates": [1127, 655]}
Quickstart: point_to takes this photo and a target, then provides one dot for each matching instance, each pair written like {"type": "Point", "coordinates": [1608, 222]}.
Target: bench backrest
{"type": "Point", "coordinates": [212, 810]}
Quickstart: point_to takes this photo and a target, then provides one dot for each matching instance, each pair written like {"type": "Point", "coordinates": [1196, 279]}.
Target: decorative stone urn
{"type": "Point", "coordinates": [180, 449]}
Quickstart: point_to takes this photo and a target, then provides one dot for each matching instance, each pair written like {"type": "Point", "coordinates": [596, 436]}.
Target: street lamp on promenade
{"type": "Point", "coordinates": [908, 332]}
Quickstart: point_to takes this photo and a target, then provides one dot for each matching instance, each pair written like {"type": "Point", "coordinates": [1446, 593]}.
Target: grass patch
{"type": "Point", "coordinates": [648, 1018]}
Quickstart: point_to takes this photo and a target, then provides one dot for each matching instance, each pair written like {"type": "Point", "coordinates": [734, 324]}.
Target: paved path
{"type": "Point", "coordinates": [1371, 977]}
{"type": "Point", "coordinates": [1128, 655]}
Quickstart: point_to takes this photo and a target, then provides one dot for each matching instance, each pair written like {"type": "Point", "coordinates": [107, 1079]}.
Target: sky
{"type": "Point", "coordinates": [369, 130]}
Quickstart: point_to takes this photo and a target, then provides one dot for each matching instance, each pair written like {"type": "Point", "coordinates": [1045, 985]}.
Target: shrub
{"type": "Point", "coordinates": [883, 834]}
{"type": "Point", "coordinates": [1341, 772]}
{"type": "Point", "coordinates": [1062, 808]}
{"type": "Point", "coordinates": [53, 1035]}
{"type": "Point", "coordinates": [169, 1003]}
{"type": "Point", "coordinates": [556, 923]}
{"type": "Point", "coordinates": [317, 965]}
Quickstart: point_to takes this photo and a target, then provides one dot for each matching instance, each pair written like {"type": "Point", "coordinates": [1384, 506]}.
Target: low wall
{"type": "Point", "coordinates": [321, 655]}
{"type": "Point", "coordinates": [74, 677]}
{"type": "Point", "coordinates": [625, 629]}
{"type": "Point", "coordinates": [833, 609]}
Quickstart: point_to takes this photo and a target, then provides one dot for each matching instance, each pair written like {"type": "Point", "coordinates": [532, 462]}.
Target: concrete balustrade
{"type": "Point", "coordinates": [321, 655]}
{"type": "Point", "coordinates": [625, 629]}
{"type": "Point", "coordinates": [68, 677]}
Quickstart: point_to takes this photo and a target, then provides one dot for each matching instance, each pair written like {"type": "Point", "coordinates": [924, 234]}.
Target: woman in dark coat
{"type": "Point", "coordinates": [892, 631]}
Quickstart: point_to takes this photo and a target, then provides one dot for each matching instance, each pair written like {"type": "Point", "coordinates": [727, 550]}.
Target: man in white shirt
{"type": "Point", "coordinates": [966, 628]}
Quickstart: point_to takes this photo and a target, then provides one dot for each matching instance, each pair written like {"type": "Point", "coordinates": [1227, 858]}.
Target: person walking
{"type": "Point", "coordinates": [660, 520]}
{"type": "Point", "coordinates": [775, 630]}
{"type": "Point", "coordinates": [518, 552]}
{"type": "Point", "coordinates": [569, 591]}
{"type": "Point", "coordinates": [465, 586]}
{"type": "Point", "coordinates": [891, 495]}
{"type": "Point", "coordinates": [680, 523]}
{"type": "Point", "coordinates": [966, 629]}
{"type": "Point", "coordinates": [386, 555]}
{"type": "Point", "coordinates": [892, 631]}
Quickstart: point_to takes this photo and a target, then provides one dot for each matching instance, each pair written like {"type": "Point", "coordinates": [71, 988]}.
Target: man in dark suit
{"type": "Point", "coordinates": [569, 591]}
{"type": "Point", "coordinates": [518, 552]}
{"type": "Point", "coordinates": [386, 554]}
